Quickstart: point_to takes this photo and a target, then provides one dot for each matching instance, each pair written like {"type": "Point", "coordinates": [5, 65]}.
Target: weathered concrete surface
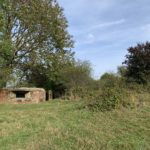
{"type": "Point", "coordinates": [4, 95]}
{"type": "Point", "coordinates": [22, 95]}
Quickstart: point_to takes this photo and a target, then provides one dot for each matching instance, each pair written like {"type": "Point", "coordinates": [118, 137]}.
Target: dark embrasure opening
{"type": "Point", "coordinates": [20, 94]}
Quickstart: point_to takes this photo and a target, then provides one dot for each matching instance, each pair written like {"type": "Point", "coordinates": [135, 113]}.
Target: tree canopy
{"type": "Point", "coordinates": [33, 36]}
{"type": "Point", "coordinates": [138, 63]}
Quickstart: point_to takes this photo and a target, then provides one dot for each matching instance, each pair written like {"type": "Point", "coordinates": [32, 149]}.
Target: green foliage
{"type": "Point", "coordinates": [80, 93]}
{"type": "Point", "coordinates": [115, 93]}
{"type": "Point", "coordinates": [122, 70]}
{"type": "Point", "coordinates": [75, 79]}
{"type": "Point", "coordinates": [4, 76]}
{"type": "Point", "coordinates": [5, 61]}
{"type": "Point", "coordinates": [37, 30]}
{"type": "Point", "coordinates": [111, 98]}
{"type": "Point", "coordinates": [110, 80]}
{"type": "Point", "coordinates": [78, 74]}
{"type": "Point", "coordinates": [138, 63]}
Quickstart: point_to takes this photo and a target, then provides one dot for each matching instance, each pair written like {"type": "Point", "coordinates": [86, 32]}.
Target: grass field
{"type": "Point", "coordinates": [61, 125]}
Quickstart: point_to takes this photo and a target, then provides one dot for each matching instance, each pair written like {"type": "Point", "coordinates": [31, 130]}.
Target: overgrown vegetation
{"type": "Point", "coordinates": [126, 87]}
{"type": "Point", "coordinates": [114, 92]}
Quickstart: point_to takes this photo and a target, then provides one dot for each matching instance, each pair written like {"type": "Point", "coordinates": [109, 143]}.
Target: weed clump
{"type": "Point", "coordinates": [111, 98]}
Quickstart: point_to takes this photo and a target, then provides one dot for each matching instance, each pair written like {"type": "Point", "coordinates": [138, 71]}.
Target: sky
{"type": "Point", "coordinates": [103, 30]}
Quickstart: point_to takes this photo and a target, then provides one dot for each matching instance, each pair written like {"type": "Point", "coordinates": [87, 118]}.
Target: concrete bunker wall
{"type": "Point", "coordinates": [33, 95]}
{"type": "Point", "coordinates": [3, 95]}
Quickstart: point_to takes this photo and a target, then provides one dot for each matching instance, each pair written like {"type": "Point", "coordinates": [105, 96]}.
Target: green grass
{"type": "Point", "coordinates": [61, 125]}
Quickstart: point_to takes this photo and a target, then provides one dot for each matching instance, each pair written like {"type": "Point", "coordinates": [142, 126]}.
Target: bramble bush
{"type": "Point", "coordinates": [111, 98]}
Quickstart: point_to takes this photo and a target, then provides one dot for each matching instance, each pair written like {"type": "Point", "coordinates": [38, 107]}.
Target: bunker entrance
{"type": "Point", "coordinates": [20, 94]}
{"type": "Point", "coordinates": [49, 95]}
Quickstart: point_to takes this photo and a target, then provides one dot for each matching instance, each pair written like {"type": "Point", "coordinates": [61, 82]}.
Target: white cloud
{"type": "Point", "coordinates": [102, 25]}
{"type": "Point", "coordinates": [108, 24]}
{"type": "Point", "coordinates": [93, 34]}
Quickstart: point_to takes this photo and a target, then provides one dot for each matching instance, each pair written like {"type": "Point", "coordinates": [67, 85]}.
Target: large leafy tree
{"type": "Point", "coordinates": [48, 75]}
{"type": "Point", "coordinates": [33, 36]}
{"type": "Point", "coordinates": [78, 74]}
{"type": "Point", "coordinates": [73, 78]}
{"type": "Point", "coordinates": [138, 63]}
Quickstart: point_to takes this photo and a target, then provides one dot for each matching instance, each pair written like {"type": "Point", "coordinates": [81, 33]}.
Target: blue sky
{"type": "Point", "coordinates": [104, 29]}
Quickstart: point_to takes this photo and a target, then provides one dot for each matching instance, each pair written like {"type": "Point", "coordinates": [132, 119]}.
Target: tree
{"type": "Point", "coordinates": [121, 71]}
{"type": "Point", "coordinates": [36, 33]}
{"type": "Point", "coordinates": [74, 77]}
{"type": "Point", "coordinates": [5, 54]}
{"type": "Point", "coordinates": [77, 74]}
{"type": "Point", "coordinates": [138, 63]}
{"type": "Point", "coordinates": [48, 76]}
{"type": "Point", "coordinates": [109, 80]}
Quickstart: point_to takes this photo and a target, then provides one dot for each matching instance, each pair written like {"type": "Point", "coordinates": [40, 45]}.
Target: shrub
{"type": "Point", "coordinates": [111, 98]}
{"type": "Point", "coordinates": [81, 93]}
